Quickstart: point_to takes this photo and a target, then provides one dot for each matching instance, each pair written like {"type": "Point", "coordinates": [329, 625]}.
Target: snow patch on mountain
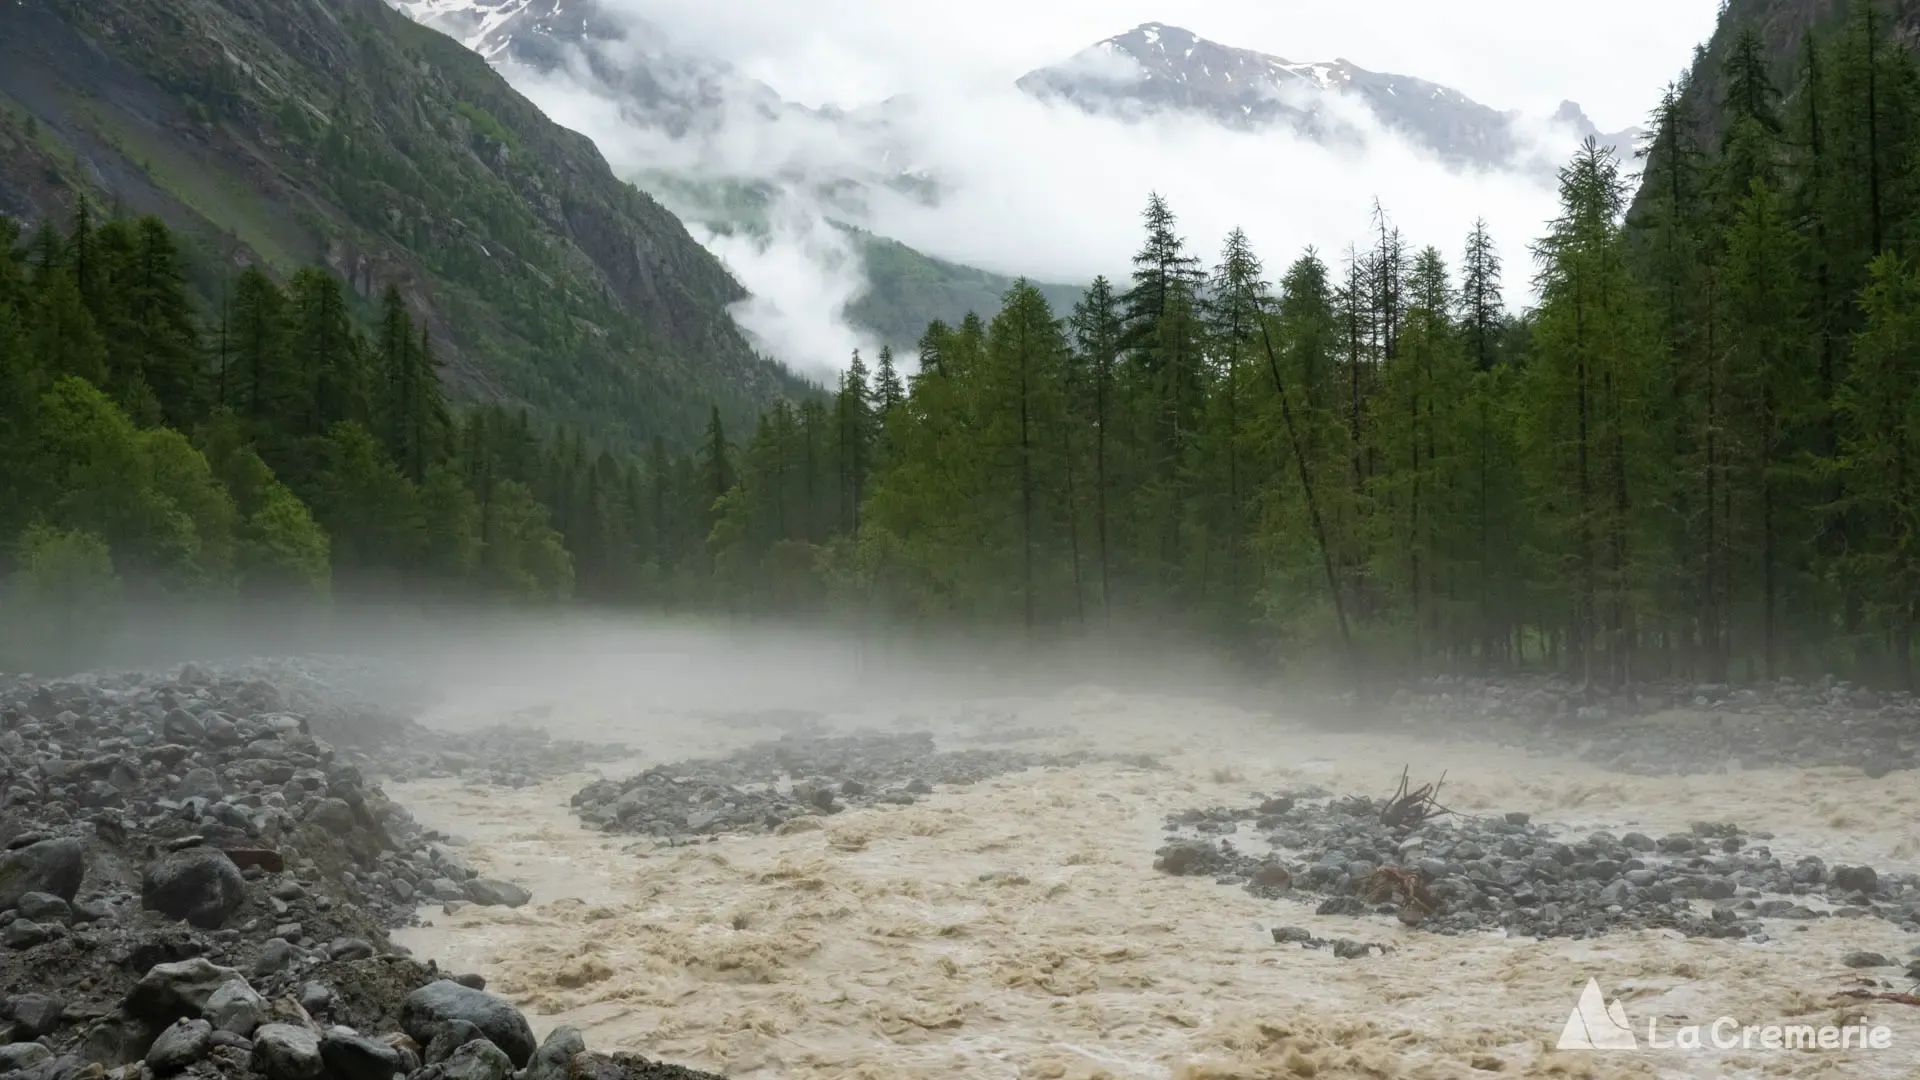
{"type": "Point", "coordinates": [1169, 68]}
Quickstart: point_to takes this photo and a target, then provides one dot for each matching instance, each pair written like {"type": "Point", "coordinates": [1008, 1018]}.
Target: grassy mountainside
{"type": "Point", "coordinates": [286, 132]}
{"type": "Point", "coordinates": [907, 289]}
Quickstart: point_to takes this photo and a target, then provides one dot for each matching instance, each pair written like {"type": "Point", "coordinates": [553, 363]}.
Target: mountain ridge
{"type": "Point", "coordinates": [339, 131]}
{"type": "Point", "coordinates": [1160, 67]}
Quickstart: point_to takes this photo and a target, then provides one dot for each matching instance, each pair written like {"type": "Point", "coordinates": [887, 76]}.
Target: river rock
{"type": "Point", "coordinates": [200, 885]}
{"type": "Point", "coordinates": [286, 1052]}
{"type": "Point", "coordinates": [352, 1056]}
{"type": "Point", "coordinates": [1856, 879]}
{"type": "Point", "coordinates": [236, 1007]}
{"type": "Point", "coordinates": [49, 866]}
{"type": "Point", "coordinates": [180, 1045]}
{"type": "Point", "coordinates": [22, 1056]}
{"type": "Point", "coordinates": [449, 1036]}
{"type": "Point", "coordinates": [489, 893]}
{"type": "Point", "coordinates": [44, 907]}
{"type": "Point", "coordinates": [550, 1061]}
{"type": "Point", "coordinates": [35, 1015]}
{"type": "Point", "coordinates": [168, 992]}
{"type": "Point", "coordinates": [477, 1060]}
{"type": "Point", "coordinates": [22, 934]}
{"type": "Point", "coordinates": [349, 949]}
{"type": "Point", "coordinates": [496, 1019]}
{"type": "Point", "coordinates": [276, 955]}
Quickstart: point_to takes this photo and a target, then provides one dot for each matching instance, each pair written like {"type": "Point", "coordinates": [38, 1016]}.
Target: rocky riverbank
{"type": "Point", "coordinates": [1674, 728]}
{"type": "Point", "coordinates": [196, 881]}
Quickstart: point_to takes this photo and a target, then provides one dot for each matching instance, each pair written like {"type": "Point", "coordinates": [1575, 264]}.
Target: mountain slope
{"type": "Point", "coordinates": [906, 289]}
{"type": "Point", "coordinates": [340, 131]}
{"type": "Point", "coordinates": [630, 62]}
{"type": "Point", "coordinates": [909, 289]}
{"type": "Point", "coordinates": [1155, 67]}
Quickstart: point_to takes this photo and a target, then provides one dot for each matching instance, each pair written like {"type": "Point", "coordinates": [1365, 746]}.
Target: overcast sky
{"type": "Point", "coordinates": [1611, 57]}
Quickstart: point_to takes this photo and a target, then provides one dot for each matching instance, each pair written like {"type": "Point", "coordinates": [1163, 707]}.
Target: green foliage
{"type": "Point", "coordinates": [282, 549]}
{"type": "Point", "coordinates": [64, 594]}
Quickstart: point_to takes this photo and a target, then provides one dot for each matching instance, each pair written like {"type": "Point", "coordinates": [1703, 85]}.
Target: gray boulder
{"type": "Point", "coordinates": [286, 1052]}
{"type": "Point", "coordinates": [202, 783]}
{"type": "Point", "coordinates": [50, 866]}
{"type": "Point", "coordinates": [118, 1040]}
{"type": "Point", "coordinates": [490, 893]}
{"type": "Point", "coordinates": [1856, 879]}
{"type": "Point", "coordinates": [200, 885]}
{"type": "Point", "coordinates": [448, 1037]}
{"type": "Point", "coordinates": [22, 1056]}
{"type": "Point", "coordinates": [168, 992]}
{"type": "Point", "coordinates": [44, 907]}
{"type": "Point", "coordinates": [477, 1060]}
{"type": "Point", "coordinates": [182, 1044]}
{"type": "Point", "coordinates": [35, 1014]}
{"type": "Point", "coordinates": [236, 1007]}
{"type": "Point", "coordinates": [25, 934]}
{"type": "Point", "coordinates": [550, 1061]}
{"type": "Point", "coordinates": [438, 1002]}
{"type": "Point", "coordinates": [351, 1056]}
{"type": "Point", "coordinates": [275, 956]}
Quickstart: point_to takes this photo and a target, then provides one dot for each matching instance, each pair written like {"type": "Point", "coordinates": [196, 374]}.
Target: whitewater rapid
{"type": "Point", "coordinates": [1016, 929]}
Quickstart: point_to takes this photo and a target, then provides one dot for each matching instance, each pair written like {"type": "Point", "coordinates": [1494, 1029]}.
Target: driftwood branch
{"type": "Point", "coordinates": [1409, 808]}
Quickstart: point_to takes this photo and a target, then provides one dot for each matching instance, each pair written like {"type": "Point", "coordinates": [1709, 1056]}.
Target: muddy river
{"type": "Point", "coordinates": [1016, 929]}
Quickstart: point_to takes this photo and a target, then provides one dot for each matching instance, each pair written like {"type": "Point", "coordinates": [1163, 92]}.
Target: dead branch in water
{"type": "Point", "coordinates": [1409, 808]}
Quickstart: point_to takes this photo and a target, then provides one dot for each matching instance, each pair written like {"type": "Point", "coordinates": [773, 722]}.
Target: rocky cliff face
{"type": "Point", "coordinates": [340, 131]}
{"type": "Point", "coordinates": [1782, 26]}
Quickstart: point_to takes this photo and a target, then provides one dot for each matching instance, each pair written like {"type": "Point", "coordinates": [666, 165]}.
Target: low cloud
{"type": "Point", "coordinates": [802, 273]}
{"type": "Point", "coordinates": [1034, 188]}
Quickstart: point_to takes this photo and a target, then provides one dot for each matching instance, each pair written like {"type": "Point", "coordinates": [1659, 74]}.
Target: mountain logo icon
{"type": "Point", "coordinates": [1596, 1025]}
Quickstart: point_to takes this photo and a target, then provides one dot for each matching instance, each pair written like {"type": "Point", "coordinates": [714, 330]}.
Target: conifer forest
{"type": "Point", "coordinates": [1683, 440]}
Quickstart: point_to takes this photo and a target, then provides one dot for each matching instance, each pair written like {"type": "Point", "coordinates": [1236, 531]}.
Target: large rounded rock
{"type": "Point", "coordinates": [351, 1056]}
{"type": "Point", "coordinates": [168, 992]}
{"type": "Point", "coordinates": [50, 866]}
{"type": "Point", "coordinates": [200, 885]}
{"type": "Point", "coordinates": [285, 1052]}
{"type": "Point", "coordinates": [477, 1060]}
{"type": "Point", "coordinates": [178, 1047]}
{"type": "Point", "coordinates": [1856, 879]}
{"type": "Point", "coordinates": [236, 1007]}
{"type": "Point", "coordinates": [439, 1002]}
{"type": "Point", "coordinates": [19, 1057]}
{"type": "Point", "coordinates": [550, 1061]}
{"type": "Point", "coordinates": [490, 893]}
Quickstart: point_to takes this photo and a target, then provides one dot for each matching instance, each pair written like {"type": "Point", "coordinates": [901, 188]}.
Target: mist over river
{"type": "Point", "coordinates": [1016, 927]}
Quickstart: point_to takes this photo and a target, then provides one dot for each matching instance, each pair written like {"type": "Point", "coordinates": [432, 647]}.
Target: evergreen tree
{"type": "Point", "coordinates": [1099, 332]}
{"type": "Point", "coordinates": [257, 323]}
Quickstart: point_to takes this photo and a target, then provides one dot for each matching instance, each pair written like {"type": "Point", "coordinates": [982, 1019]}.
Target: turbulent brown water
{"type": "Point", "coordinates": [1016, 929]}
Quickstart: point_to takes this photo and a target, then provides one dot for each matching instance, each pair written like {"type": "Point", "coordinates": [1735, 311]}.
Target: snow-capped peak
{"type": "Point", "coordinates": [1155, 66]}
